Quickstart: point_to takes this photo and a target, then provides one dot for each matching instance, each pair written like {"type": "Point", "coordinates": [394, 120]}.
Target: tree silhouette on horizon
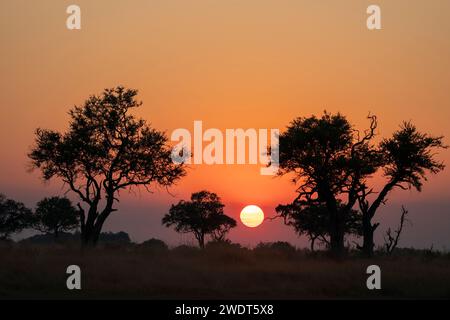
{"type": "Point", "coordinates": [332, 162]}
{"type": "Point", "coordinates": [105, 150]}
{"type": "Point", "coordinates": [14, 217]}
{"type": "Point", "coordinates": [328, 159]}
{"type": "Point", "coordinates": [55, 215]}
{"type": "Point", "coordinates": [407, 157]}
{"type": "Point", "coordinates": [203, 215]}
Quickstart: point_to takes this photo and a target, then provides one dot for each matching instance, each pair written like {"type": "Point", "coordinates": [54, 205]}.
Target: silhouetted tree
{"type": "Point", "coordinates": [105, 150]}
{"type": "Point", "coordinates": [391, 240]}
{"type": "Point", "coordinates": [14, 217]}
{"type": "Point", "coordinates": [54, 215]}
{"type": "Point", "coordinates": [333, 162]}
{"type": "Point", "coordinates": [202, 216]}
{"type": "Point", "coordinates": [329, 158]}
{"type": "Point", "coordinates": [313, 221]}
{"type": "Point", "coordinates": [223, 225]}
{"type": "Point", "coordinates": [407, 157]}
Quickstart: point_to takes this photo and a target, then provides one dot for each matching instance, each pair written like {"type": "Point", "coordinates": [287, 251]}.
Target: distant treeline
{"type": "Point", "coordinates": [279, 249]}
{"type": "Point", "coordinates": [67, 237]}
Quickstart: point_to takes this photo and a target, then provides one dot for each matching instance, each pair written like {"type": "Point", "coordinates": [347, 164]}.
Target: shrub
{"type": "Point", "coordinates": [154, 245]}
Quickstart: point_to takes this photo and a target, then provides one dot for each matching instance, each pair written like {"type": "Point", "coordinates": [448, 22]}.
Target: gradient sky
{"type": "Point", "coordinates": [231, 64]}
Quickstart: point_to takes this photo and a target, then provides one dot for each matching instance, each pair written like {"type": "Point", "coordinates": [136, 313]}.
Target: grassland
{"type": "Point", "coordinates": [220, 272]}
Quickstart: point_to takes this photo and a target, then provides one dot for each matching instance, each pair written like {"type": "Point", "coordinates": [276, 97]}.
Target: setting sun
{"type": "Point", "coordinates": [252, 216]}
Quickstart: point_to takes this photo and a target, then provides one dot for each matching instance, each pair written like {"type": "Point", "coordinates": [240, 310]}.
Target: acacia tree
{"type": "Point", "coordinates": [14, 217]}
{"type": "Point", "coordinates": [54, 215]}
{"type": "Point", "coordinates": [329, 159]}
{"type": "Point", "coordinates": [202, 216]}
{"type": "Point", "coordinates": [313, 221]}
{"type": "Point", "coordinates": [333, 163]}
{"type": "Point", "coordinates": [105, 150]}
{"type": "Point", "coordinates": [406, 159]}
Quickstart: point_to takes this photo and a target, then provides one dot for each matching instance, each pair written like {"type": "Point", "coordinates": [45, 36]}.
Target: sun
{"type": "Point", "coordinates": [252, 216]}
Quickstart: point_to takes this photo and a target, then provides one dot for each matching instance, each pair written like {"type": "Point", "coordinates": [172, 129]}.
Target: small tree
{"type": "Point", "coordinates": [391, 240]}
{"type": "Point", "coordinates": [14, 217]}
{"type": "Point", "coordinates": [54, 215]}
{"type": "Point", "coordinates": [202, 216]}
{"type": "Point", "coordinates": [105, 150]}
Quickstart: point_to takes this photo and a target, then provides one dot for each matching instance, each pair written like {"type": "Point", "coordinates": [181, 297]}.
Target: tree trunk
{"type": "Point", "coordinates": [94, 223]}
{"type": "Point", "coordinates": [201, 241]}
{"type": "Point", "coordinates": [312, 244]}
{"type": "Point", "coordinates": [87, 227]}
{"type": "Point", "coordinates": [369, 213]}
{"type": "Point", "coordinates": [337, 247]}
{"type": "Point", "coordinates": [86, 236]}
{"type": "Point", "coordinates": [336, 229]}
{"type": "Point", "coordinates": [368, 243]}
{"type": "Point", "coordinates": [337, 244]}
{"type": "Point", "coordinates": [97, 230]}
{"type": "Point", "coordinates": [368, 232]}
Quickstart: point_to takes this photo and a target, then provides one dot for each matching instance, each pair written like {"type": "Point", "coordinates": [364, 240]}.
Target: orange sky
{"type": "Point", "coordinates": [231, 64]}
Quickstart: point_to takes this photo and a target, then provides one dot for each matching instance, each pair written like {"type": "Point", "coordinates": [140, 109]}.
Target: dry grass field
{"type": "Point", "coordinates": [221, 272]}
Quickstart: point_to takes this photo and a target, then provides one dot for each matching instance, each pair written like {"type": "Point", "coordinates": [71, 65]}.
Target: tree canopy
{"type": "Point", "coordinates": [314, 220]}
{"type": "Point", "coordinates": [106, 149]}
{"type": "Point", "coordinates": [332, 162]}
{"type": "Point", "coordinates": [55, 215]}
{"type": "Point", "coordinates": [203, 215]}
{"type": "Point", "coordinates": [329, 159]}
{"type": "Point", "coordinates": [14, 217]}
{"type": "Point", "coordinates": [407, 157]}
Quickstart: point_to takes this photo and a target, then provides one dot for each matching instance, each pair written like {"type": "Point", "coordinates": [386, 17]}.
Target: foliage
{"type": "Point", "coordinates": [105, 150]}
{"type": "Point", "coordinates": [333, 162]}
{"type": "Point", "coordinates": [120, 237]}
{"type": "Point", "coordinates": [202, 216]}
{"type": "Point", "coordinates": [55, 215]}
{"type": "Point", "coordinates": [155, 244]}
{"type": "Point", "coordinates": [74, 238]}
{"type": "Point", "coordinates": [14, 217]}
{"type": "Point", "coordinates": [278, 245]}
{"type": "Point", "coordinates": [407, 157]}
{"type": "Point", "coordinates": [314, 220]}
{"type": "Point", "coordinates": [329, 158]}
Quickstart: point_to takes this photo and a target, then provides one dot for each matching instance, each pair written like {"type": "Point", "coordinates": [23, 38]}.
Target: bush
{"type": "Point", "coordinates": [226, 252]}
{"type": "Point", "coordinates": [279, 245]}
{"type": "Point", "coordinates": [49, 239]}
{"type": "Point", "coordinates": [279, 249]}
{"type": "Point", "coordinates": [222, 244]}
{"type": "Point", "coordinates": [114, 238]}
{"type": "Point", "coordinates": [106, 238]}
{"type": "Point", "coordinates": [186, 250]}
{"type": "Point", "coordinates": [154, 245]}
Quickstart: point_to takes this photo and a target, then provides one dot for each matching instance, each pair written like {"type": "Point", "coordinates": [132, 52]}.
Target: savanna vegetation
{"type": "Point", "coordinates": [106, 150]}
{"type": "Point", "coordinates": [219, 271]}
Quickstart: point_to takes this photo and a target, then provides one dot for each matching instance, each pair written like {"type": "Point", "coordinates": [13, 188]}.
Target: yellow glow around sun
{"type": "Point", "coordinates": [252, 216]}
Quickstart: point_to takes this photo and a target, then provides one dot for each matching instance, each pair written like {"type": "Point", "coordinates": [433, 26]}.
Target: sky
{"type": "Point", "coordinates": [232, 64]}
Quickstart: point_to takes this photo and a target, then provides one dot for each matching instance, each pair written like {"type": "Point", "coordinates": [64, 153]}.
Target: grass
{"type": "Point", "coordinates": [218, 272]}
